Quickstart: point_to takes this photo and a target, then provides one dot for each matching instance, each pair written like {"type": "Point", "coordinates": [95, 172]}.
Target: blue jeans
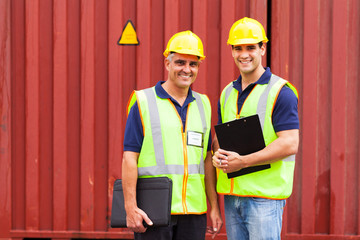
{"type": "Point", "coordinates": [253, 218]}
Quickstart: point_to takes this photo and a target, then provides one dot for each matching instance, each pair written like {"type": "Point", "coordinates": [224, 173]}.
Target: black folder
{"type": "Point", "coordinates": [153, 196]}
{"type": "Point", "coordinates": [243, 136]}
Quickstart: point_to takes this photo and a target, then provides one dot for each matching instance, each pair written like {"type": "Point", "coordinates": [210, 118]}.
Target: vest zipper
{"type": "Point", "coordinates": [186, 173]}
{"type": "Point", "coordinates": [186, 170]}
{"type": "Point", "coordinates": [238, 114]}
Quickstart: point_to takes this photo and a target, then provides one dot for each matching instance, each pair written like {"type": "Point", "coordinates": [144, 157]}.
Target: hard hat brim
{"type": "Point", "coordinates": [201, 57]}
{"type": "Point", "coordinates": [245, 41]}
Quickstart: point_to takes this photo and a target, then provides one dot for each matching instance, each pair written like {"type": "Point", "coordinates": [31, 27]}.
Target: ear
{"type": "Point", "coordinates": [166, 63]}
{"type": "Point", "coordinates": [232, 51]}
{"type": "Point", "coordinates": [263, 49]}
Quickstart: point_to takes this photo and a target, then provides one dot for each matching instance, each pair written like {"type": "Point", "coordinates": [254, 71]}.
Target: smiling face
{"type": "Point", "coordinates": [247, 58]}
{"type": "Point", "coordinates": [182, 69]}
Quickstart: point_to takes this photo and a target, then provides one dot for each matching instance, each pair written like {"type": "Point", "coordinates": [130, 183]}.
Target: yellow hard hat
{"type": "Point", "coordinates": [185, 42]}
{"type": "Point", "coordinates": [246, 31]}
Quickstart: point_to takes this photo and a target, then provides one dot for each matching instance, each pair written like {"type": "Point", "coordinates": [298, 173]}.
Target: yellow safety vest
{"type": "Point", "coordinates": [166, 150]}
{"type": "Point", "coordinates": [277, 181]}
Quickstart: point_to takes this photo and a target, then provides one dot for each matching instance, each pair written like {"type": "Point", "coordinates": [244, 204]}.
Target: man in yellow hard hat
{"type": "Point", "coordinates": [254, 202]}
{"type": "Point", "coordinates": [168, 134]}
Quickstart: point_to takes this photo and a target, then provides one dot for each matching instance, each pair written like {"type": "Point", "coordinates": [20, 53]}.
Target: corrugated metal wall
{"type": "Point", "coordinates": [323, 59]}
{"type": "Point", "coordinates": [64, 85]}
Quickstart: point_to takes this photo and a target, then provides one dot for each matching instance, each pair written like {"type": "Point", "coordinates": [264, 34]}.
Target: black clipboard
{"type": "Point", "coordinates": [153, 196]}
{"type": "Point", "coordinates": [243, 136]}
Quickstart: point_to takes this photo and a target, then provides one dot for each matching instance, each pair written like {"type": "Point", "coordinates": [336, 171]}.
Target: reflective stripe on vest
{"type": "Point", "coordinates": [276, 182]}
{"type": "Point", "coordinates": [261, 108]}
{"type": "Point", "coordinates": [161, 167]}
{"type": "Point", "coordinates": [166, 152]}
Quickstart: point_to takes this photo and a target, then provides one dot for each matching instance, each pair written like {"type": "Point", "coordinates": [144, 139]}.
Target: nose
{"type": "Point", "coordinates": [187, 68]}
{"type": "Point", "coordinates": [243, 54]}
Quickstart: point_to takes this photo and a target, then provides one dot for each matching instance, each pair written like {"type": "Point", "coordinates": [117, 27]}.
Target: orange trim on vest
{"type": "Point", "coordinates": [194, 213]}
{"type": "Point", "coordinates": [275, 99]}
{"type": "Point", "coordinates": [141, 117]}
{"type": "Point", "coordinates": [128, 104]}
{"type": "Point", "coordinates": [232, 194]}
{"type": "Point", "coordinates": [238, 114]}
{"type": "Point", "coordinates": [186, 170]}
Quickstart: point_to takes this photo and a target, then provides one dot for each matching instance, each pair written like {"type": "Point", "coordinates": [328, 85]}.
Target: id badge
{"type": "Point", "coordinates": [195, 139]}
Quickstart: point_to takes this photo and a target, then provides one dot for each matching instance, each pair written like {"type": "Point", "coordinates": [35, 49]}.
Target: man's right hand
{"type": "Point", "coordinates": [135, 219]}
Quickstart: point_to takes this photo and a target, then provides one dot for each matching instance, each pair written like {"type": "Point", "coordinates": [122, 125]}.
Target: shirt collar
{"type": "Point", "coordinates": [264, 79]}
{"type": "Point", "coordinates": [161, 93]}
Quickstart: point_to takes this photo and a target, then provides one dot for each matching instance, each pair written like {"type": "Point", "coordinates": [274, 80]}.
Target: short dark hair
{"type": "Point", "coordinates": [175, 52]}
{"type": "Point", "coordinates": [260, 45]}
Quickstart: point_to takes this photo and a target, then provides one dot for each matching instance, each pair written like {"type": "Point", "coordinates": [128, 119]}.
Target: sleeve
{"type": "Point", "coordinates": [285, 114]}
{"type": "Point", "coordinates": [219, 113]}
{"type": "Point", "coordinates": [209, 142]}
{"type": "Point", "coordinates": [134, 136]}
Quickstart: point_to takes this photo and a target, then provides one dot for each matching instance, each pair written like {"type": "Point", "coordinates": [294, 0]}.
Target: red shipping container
{"type": "Point", "coordinates": [65, 83]}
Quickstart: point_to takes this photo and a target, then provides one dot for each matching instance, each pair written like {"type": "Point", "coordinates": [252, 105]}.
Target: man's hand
{"type": "Point", "coordinates": [210, 185]}
{"type": "Point", "coordinates": [228, 161]}
{"type": "Point", "coordinates": [135, 218]}
{"type": "Point", "coordinates": [285, 145]}
{"type": "Point", "coordinates": [134, 215]}
{"type": "Point", "coordinates": [216, 221]}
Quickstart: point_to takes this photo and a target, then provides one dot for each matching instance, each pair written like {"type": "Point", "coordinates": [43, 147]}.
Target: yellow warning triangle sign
{"type": "Point", "coordinates": [128, 35]}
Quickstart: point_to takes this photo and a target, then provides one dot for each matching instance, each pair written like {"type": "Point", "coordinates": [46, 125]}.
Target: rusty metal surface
{"type": "Point", "coordinates": [323, 60]}
{"type": "Point", "coordinates": [65, 83]}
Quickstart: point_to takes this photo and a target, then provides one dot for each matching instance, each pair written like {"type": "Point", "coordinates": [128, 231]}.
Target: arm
{"type": "Point", "coordinates": [134, 215]}
{"type": "Point", "coordinates": [286, 123]}
{"type": "Point", "coordinates": [210, 185]}
{"type": "Point", "coordinates": [215, 144]}
{"type": "Point", "coordinates": [285, 145]}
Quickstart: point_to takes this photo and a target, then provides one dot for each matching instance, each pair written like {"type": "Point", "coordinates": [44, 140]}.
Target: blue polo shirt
{"type": "Point", "coordinates": [285, 114]}
{"type": "Point", "coordinates": [134, 136]}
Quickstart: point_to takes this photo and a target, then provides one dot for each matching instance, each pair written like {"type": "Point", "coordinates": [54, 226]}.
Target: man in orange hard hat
{"type": "Point", "coordinates": [254, 202]}
{"type": "Point", "coordinates": [168, 134]}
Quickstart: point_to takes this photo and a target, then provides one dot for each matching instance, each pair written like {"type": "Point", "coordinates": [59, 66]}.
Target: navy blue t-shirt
{"type": "Point", "coordinates": [134, 136]}
{"type": "Point", "coordinates": [285, 113]}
